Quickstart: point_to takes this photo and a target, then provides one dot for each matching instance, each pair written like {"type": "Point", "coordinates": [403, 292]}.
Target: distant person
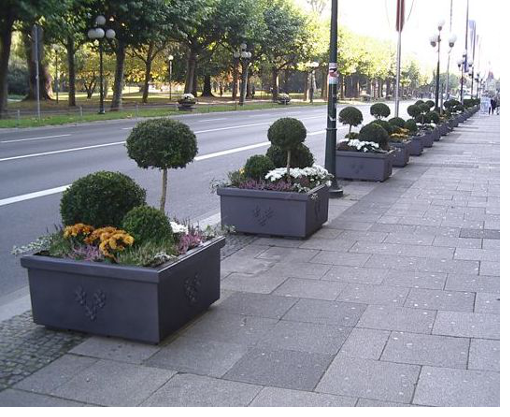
{"type": "Point", "coordinates": [494, 104]}
{"type": "Point", "coordinates": [497, 104]}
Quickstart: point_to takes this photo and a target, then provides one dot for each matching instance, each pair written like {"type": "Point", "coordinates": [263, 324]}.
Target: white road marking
{"type": "Point", "coordinates": [229, 128]}
{"type": "Point", "coordinates": [37, 138]}
{"type": "Point", "coordinates": [316, 133]}
{"type": "Point", "coordinates": [213, 120]}
{"type": "Point", "coordinates": [230, 151]}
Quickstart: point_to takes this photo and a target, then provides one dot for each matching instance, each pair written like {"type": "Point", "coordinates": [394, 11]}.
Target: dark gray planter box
{"type": "Point", "coordinates": [436, 134]}
{"type": "Point", "coordinates": [416, 146]}
{"type": "Point", "coordinates": [370, 166]}
{"type": "Point", "coordinates": [402, 151]}
{"type": "Point", "coordinates": [427, 138]}
{"type": "Point", "coordinates": [444, 129]}
{"type": "Point", "coordinates": [143, 304]}
{"type": "Point", "coordinates": [276, 213]}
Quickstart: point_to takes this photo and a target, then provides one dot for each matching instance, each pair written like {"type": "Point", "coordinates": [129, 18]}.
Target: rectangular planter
{"type": "Point", "coordinates": [427, 138]}
{"type": "Point", "coordinates": [143, 304]}
{"type": "Point", "coordinates": [402, 151]}
{"type": "Point", "coordinates": [288, 214]}
{"type": "Point", "coordinates": [436, 134]}
{"type": "Point", "coordinates": [416, 146]}
{"type": "Point", "coordinates": [370, 166]}
{"type": "Point", "coordinates": [444, 129]}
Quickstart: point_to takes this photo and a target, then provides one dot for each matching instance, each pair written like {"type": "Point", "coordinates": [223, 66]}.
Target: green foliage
{"type": "Point", "coordinates": [430, 104]}
{"type": "Point", "coordinates": [450, 104]}
{"type": "Point", "coordinates": [287, 133]}
{"type": "Point", "coordinates": [162, 143]}
{"type": "Point", "coordinates": [301, 156]}
{"type": "Point", "coordinates": [414, 111]}
{"type": "Point", "coordinates": [257, 166]}
{"type": "Point", "coordinates": [424, 108]}
{"type": "Point", "coordinates": [385, 125]}
{"type": "Point", "coordinates": [350, 116]}
{"type": "Point", "coordinates": [148, 254]}
{"type": "Point", "coordinates": [146, 223]}
{"type": "Point", "coordinates": [433, 116]}
{"type": "Point", "coordinates": [419, 102]}
{"type": "Point", "coordinates": [373, 132]}
{"type": "Point", "coordinates": [100, 199]}
{"type": "Point", "coordinates": [411, 126]}
{"type": "Point", "coordinates": [380, 110]}
{"type": "Point", "coordinates": [397, 121]}
{"type": "Point", "coordinates": [352, 135]}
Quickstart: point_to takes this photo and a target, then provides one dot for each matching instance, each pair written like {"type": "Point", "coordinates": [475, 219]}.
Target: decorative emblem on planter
{"type": "Point", "coordinates": [262, 216]}
{"type": "Point", "coordinates": [99, 298]}
{"type": "Point", "coordinates": [358, 167]}
{"type": "Point", "coordinates": [192, 288]}
{"type": "Point", "coordinates": [316, 205]}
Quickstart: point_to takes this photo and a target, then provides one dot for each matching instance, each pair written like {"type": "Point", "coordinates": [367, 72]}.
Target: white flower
{"type": "Point", "coordinates": [188, 96]}
{"type": "Point", "coordinates": [178, 228]}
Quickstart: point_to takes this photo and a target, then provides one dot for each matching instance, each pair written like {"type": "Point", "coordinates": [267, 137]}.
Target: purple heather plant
{"type": "Point", "coordinates": [266, 185]}
{"type": "Point", "coordinates": [189, 241]}
{"type": "Point", "coordinates": [86, 253]}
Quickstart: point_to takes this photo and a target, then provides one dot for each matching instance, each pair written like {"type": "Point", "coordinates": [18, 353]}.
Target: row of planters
{"type": "Point", "coordinates": [382, 144]}
{"type": "Point", "coordinates": [119, 267]}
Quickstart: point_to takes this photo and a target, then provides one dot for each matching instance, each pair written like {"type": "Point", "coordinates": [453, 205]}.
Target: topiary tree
{"type": "Point", "coordinates": [433, 116]}
{"type": "Point", "coordinates": [430, 104]}
{"type": "Point", "coordinates": [287, 133]}
{"type": "Point", "coordinates": [301, 156]}
{"type": "Point", "coordinates": [385, 125]}
{"type": "Point", "coordinates": [257, 166]}
{"type": "Point", "coordinates": [163, 144]}
{"type": "Point", "coordinates": [146, 224]}
{"type": "Point", "coordinates": [414, 111]}
{"type": "Point", "coordinates": [100, 199]}
{"type": "Point", "coordinates": [380, 110]}
{"type": "Point", "coordinates": [373, 132]}
{"type": "Point", "coordinates": [419, 102]}
{"type": "Point", "coordinates": [350, 116]}
{"type": "Point", "coordinates": [398, 122]}
{"type": "Point", "coordinates": [411, 126]}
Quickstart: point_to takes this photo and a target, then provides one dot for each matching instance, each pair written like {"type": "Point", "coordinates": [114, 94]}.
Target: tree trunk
{"type": "Point", "coordinates": [235, 80]}
{"type": "Point", "coordinates": [5, 51]}
{"type": "Point", "coordinates": [163, 190]}
{"type": "Point", "coordinates": [286, 77]}
{"type": "Point", "coordinates": [147, 78]}
{"type": "Point", "coordinates": [274, 83]}
{"type": "Point", "coordinates": [380, 87]}
{"type": "Point", "coordinates": [306, 85]}
{"type": "Point", "coordinates": [71, 71]}
{"type": "Point", "coordinates": [194, 90]}
{"type": "Point", "coordinates": [207, 90]}
{"type": "Point", "coordinates": [324, 90]}
{"type": "Point", "coordinates": [368, 86]}
{"type": "Point", "coordinates": [45, 90]}
{"type": "Point", "coordinates": [191, 68]}
{"type": "Point", "coordinates": [341, 87]}
{"type": "Point", "coordinates": [118, 84]}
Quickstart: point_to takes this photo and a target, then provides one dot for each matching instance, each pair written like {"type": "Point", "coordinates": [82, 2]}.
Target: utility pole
{"type": "Point", "coordinates": [330, 158]}
{"type": "Point", "coordinates": [400, 26]}
{"type": "Point", "coordinates": [449, 56]}
{"type": "Point", "coordinates": [37, 34]}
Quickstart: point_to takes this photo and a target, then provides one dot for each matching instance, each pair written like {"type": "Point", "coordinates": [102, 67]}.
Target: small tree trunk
{"type": "Point", "coordinates": [274, 84]}
{"type": "Point", "coordinates": [5, 51]}
{"type": "Point", "coordinates": [306, 85]}
{"type": "Point", "coordinates": [45, 90]}
{"type": "Point", "coordinates": [207, 90]}
{"type": "Point", "coordinates": [288, 165]}
{"type": "Point", "coordinates": [145, 96]}
{"type": "Point", "coordinates": [71, 67]}
{"type": "Point", "coordinates": [190, 72]}
{"type": "Point", "coordinates": [118, 84]}
{"type": "Point", "coordinates": [163, 190]}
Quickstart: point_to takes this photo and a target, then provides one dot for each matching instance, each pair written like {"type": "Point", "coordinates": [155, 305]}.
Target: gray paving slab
{"type": "Point", "coordinates": [416, 279]}
{"type": "Point", "coordinates": [246, 265]}
{"type": "Point", "coordinates": [424, 349]}
{"type": "Point", "coordinates": [306, 288]}
{"type": "Point", "coordinates": [300, 270]}
{"type": "Point", "coordinates": [187, 390]}
{"type": "Point", "coordinates": [365, 343]}
{"type": "Point", "coordinates": [490, 268]}
{"type": "Point", "coordinates": [332, 245]}
{"type": "Point", "coordinates": [259, 305]}
{"type": "Point", "coordinates": [480, 234]}
{"type": "Point", "coordinates": [411, 239]}
{"type": "Point", "coordinates": [374, 294]}
{"type": "Point", "coordinates": [455, 242]}
{"type": "Point", "coordinates": [491, 244]}
{"type": "Point", "coordinates": [397, 318]}
{"type": "Point", "coordinates": [278, 254]}
{"type": "Point", "coordinates": [110, 383]}
{"type": "Point", "coordinates": [17, 398]}
{"type": "Point", "coordinates": [477, 254]}
{"type": "Point", "coordinates": [359, 236]}
{"type": "Point", "coordinates": [344, 259]}
{"type": "Point", "coordinates": [261, 283]}
{"type": "Point", "coordinates": [405, 263]}
{"type": "Point", "coordinates": [443, 387]}
{"type": "Point", "coordinates": [478, 325]}
{"type": "Point", "coordinates": [280, 368]}
{"type": "Point", "coordinates": [355, 274]}
{"type": "Point", "coordinates": [473, 283]}
{"type": "Point", "coordinates": [275, 241]}
{"type": "Point", "coordinates": [487, 303]}
{"type": "Point", "coordinates": [115, 349]}
{"type": "Point", "coordinates": [450, 266]}
{"type": "Point", "coordinates": [209, 358]}
{"type": "Point", "coordinates": [336, 313]}
{"type": "Point", "coordinates": [440, 300]}
{"type": "Point", "coordinates": [367, 378]}
{"type": "Point", "coordinates": [281, 397]}
{"type": "Point", "coordinates": [484, 355]}
{"type": "Point", "coordinates": [364, 402]}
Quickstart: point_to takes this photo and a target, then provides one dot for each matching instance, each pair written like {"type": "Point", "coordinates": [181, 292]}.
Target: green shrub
{"type": "Point", "coordinates": [148, 254]}
{"type": "Point", "coordinates": [374, 133]}
{"type": "Point", "coordinates": [287, 133]}
{"type": "Point", "coordinates": [380, 110]}
{"type": "Point", "coordinates": [411, 126]}
{"type": "Point", "coordinates": [350, 116]}
{"type": "Point", "coordinates": [163, 144]}
{"type": "Point", "coordinates": [414, 111]}
{"type": "Point", "coordinates": [100, 199]}
{"type": "Point", "coordinates": [424, 108]}
{"type": "Point", "coordinates": [146, 223]}
{"type": "Point", "coordinates": [433, 116]}
{"type": "Point", "coordinates": [385, 125]}
{"type": "Point", "coordinates": [257, 166]}
{"type": "Point", "coordinates": [459, 108]}
{"type": "Point", "coordinates": [301, 156]}
{"type": "Point", "coordinates": [398, 122]}
{"type": "Point", "coordinates": [352, 135]}
{"type": "Point", "coordinates": [450, 104]}
{"type": "Point", "coordinates": [430, 104]}
{"type": "Point", "coordinates": [419, 102]}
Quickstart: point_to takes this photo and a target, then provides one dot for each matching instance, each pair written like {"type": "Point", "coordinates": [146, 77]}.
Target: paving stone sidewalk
{"type": "Point", "coordinates": [395, 302]}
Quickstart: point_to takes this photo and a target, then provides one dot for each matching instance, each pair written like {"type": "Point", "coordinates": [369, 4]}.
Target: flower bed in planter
{"type": "Point", "coordinates": [290, 201]}
{"type": "Point", "coordinates": [119, 267]}
{"type": "Point", "coordinates": [187, 102]}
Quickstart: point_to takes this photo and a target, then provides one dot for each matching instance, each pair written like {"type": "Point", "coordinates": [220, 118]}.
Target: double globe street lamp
{"type": "Point", "coordinates": [435, 40]}
{"type": "Point", "coordinates": [100, 32]}
{"type": "Point", "coordinates": [244, 57]}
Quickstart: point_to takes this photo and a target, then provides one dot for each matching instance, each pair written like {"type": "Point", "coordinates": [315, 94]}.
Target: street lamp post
{"type": "Point", "coordinates": [244, 56]}
{"type": "Point", "coordinates": [56, 49]}
{"type": "Point", "coordinates": [436, 40]}
{"type": "Point", "coordinates": [472, 75]}
{"type": "Point", "coordinates": [462, 66]}
{"type": "Point", "coordinates": [313, 67]}
{"type": "Point", "coordinates": [99, 33]}
{"type": "Point", "coordinates": [170, 59]}
{"type": "Point", "coordinates": [451, 43]}
{"type": "Point", "coordinates": [330, 157]}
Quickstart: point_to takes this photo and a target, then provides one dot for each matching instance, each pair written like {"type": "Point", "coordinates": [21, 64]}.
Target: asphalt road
{"type": "Point", "coordinates": [35, 165]}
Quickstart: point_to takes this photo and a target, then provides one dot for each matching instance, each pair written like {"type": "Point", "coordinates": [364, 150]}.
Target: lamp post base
{"type": "Point", "coordinates": [335, 190]}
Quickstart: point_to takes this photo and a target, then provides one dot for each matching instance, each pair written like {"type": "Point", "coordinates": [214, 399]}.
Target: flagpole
{"type": "Point", "coordinates": [399, 25]}
{"type": "Point", "coordinates": [449, 57]}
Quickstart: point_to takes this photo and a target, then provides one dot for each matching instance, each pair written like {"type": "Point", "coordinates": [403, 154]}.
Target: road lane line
{"type": "Point", "coordinates": [231, 151]}
{"type": "Point", "coordinates": [37, 138]}
{"type": "Point", "coordinates": [30, 196]}
{"type": "Point", "coordinates": [316, 133]}
{"type": "Point", "coordinates": [212, 120]}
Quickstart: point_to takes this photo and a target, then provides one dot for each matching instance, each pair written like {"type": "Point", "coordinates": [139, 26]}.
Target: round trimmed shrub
{"type": "Point", "coordinates": [100, 199]}
{"type": "Point", "coordinates": [414, 111]}
{"type": "Point", "coordinates": [433, 116]}
{"type": "Point", "coordinates": [374, 133]}
{"type": "Point", "coordinates": [146, 224]}
{"type": "Point", "coordinates": [398, 122]}
{"type": "Point", "coordinates": [350, 116]}
{"type": "Point", "coordinates": [450, 104]}
{"type": "Point", "coordinates": [385, 125]}
{"type": "Point", "coordinates": [424, 108]}
{"type": "Point", "coordinates": [430, 103]}
{"type": "Point", "coordinates": [380, 110]}
{"type": "Point", "coordinates": [257, 166]}
{"type": "Point", "coordinates": [301, 156]}
{"type": "Point", "coordinates": [287, 133]}
{"type": "Point", "coordinates": [419, 102]}
{"type": "Point", "coordinates": [411, 126]}
{"type": "Point", "coordinates": [163, 144]}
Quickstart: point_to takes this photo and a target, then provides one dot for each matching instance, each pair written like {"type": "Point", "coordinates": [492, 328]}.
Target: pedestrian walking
{"type": "Point", "coordinates": [493, 105]}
